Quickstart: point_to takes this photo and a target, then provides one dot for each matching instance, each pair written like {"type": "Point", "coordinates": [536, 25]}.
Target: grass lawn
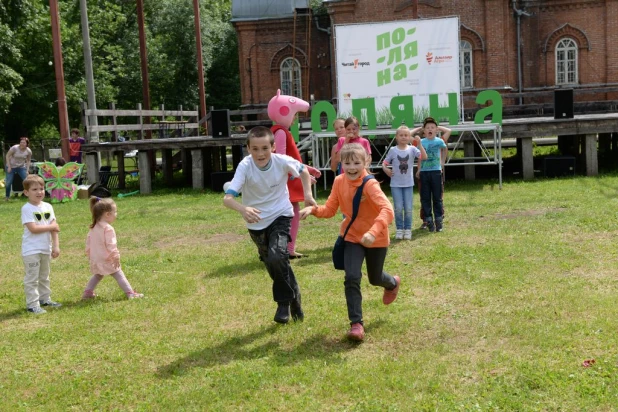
{"type": "Point", "coordinates": [498, 312]}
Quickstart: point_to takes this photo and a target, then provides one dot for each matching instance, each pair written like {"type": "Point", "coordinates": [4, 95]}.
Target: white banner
{"type": "Point", "coordinates": [403, 58]}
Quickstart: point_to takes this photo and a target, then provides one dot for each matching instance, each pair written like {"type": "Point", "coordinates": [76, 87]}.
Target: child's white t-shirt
{"type": "Point", "coordinates": [41, 215]}
{"type": "Point", "coordinates": [266, 190]}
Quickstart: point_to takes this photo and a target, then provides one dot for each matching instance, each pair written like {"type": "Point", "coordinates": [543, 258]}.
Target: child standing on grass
{"type": "Point", "coordinates": [266, 208]}
{"type": "Point", "coordinates": [102, 249]}
{"type": "Point", "coordinates": [367, 239]}
{"type": "Point", "coordinates": [340, 132]}
{"type": "Point", "coordinates": [430, 174]}
{"type": "Point", "coordinates": [39, 244]}
{"type": "Point", "coordinates": [398, 166]}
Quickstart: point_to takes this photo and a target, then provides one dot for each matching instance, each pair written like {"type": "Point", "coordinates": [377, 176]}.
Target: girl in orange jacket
{"type": "Point", "coordinates": [367, 239]}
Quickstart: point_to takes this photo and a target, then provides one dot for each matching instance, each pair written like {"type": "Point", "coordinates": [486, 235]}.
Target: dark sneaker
{"type": "Point", "coordinates": [423, 226]}
{"type": "Point", "coordinates": [296, 310]}
{"type": "Point", "coordinates": [390, 295]}
{"type": "Point", "coordinates": [37, 310]}
{"type": "Point", "coordinates": [50, 303]}
{"type": "Point", "coordinates": [283, 313]}
{"type": "Point", "coordinates": [439, 227]}
{"type": "Point", "coordinates": [431, 227]}
{"type": "Point", "coordinates": [356, 332]}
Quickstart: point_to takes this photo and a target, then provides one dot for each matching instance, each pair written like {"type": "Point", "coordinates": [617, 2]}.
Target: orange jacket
{"type": "Point", "coordinates": [374, 214]}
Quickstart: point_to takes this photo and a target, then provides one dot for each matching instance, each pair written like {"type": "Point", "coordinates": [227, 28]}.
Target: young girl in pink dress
{"type": "Point", "coordinates": [102, 249]}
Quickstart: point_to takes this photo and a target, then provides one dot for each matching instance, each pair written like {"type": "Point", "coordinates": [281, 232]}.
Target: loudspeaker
{"type": "Point", "coordinates": [556, 166]}
{"type": "Point", "coordinates": [217, 179]}
{"type": "Point", "coordinates": [220, 120]}
{"type": "Point", "coordinates": [563, 104]}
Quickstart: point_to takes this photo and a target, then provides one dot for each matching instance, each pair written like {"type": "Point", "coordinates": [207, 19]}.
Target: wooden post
{"type": "Point", "coordinates": [92, 166]}
{"type": "Point", "coordinates": [112, 106]}
{"type": "Point", "coordinates": [85, 120]}
{"type": "Point", "coordinates": [121, 172]}
{"type": "Point", "coordinates": [145, 181]}
{"type": "Point", "coordinates": [197, 168]}
{"type": "Point", "coordinates": [590, 155]}
{"type": "Point", "coordinates": [140, 134]}
{"type": "Point", "coordinates": [527, 157]}
{"type": "Point", "coordinates": [167, 165]}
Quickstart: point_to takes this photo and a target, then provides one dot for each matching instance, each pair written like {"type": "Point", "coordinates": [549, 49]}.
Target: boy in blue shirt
{"type": "Point", "coordinates": [430, 174]}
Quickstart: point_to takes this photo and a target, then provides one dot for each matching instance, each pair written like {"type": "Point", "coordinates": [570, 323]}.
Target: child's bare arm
{"type": "Point", "coordinates": [248, 213]}
{"type": "Point", "coordinates": [305, 178]}
{"type": "Point", "coordinates": [36, 229]}
{"type": "Point", "coordinates": [445, 133]}
{"type": "Point", "coordinates": [55, 245]}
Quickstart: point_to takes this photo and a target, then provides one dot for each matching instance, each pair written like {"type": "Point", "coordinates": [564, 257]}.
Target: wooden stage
{"type": "Point", "coordinates": [204, 155]}
{"type": "Point", "coordinates": [201, 156]}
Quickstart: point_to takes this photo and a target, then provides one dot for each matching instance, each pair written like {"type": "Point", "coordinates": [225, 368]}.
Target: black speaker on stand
{"type": "Point", "coordinates": [563, 104]}
{"type": "Point", "coordinates": [220, 120]}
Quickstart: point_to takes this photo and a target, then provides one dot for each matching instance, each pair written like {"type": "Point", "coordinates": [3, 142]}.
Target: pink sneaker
{"type": "Point", "coordinates": [134, 295]}
{"type": "Point", "coordinates": [390, 295]}
{"type": "Point", "coordinates": [356, 332]}
{"type": "Point", "coordinates": [88, 294]}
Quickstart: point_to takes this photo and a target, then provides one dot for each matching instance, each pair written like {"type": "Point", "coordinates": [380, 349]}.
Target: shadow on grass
{"type": "Point", "coordinates": [243, 348]}
{"type": "Point", "coordinates": [236, 269]}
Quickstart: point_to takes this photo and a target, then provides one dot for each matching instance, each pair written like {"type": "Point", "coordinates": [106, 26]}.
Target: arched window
{"type": "Point", "coordinates": [566, 61]}
{"type": "Point", "coordinates": [291, 78]}
{"type": "Point", "coordinates": [465, 64]}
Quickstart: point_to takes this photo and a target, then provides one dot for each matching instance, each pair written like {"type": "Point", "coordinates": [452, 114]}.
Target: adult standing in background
{"type": "Point", "coordinates": [17, 161]}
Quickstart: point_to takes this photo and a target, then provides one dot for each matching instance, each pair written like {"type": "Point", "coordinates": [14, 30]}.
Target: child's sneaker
{"type": "Point", "coordinates": [37, 310]}
{"type": "Point", "coordinates": [50, 303]}
{"type": "Point", "coordinates": [407, 234]}
{"type": "Point", "coordinates": [356, 332]}
{"type": "Point", "coordinates": [390, 295]}
{"type": "Point", "coordinates": [439, 227]}
{"type": "Point", "coordinates": [88, 294]}
{"type": "Point", "coordinates": [399, 234]}
{"type": "Point", "coordinates": [423, 226]}
{"type": "Point", "coordinates": [431, 227]}
{"type": "Point", "coordinates": [134, 295]}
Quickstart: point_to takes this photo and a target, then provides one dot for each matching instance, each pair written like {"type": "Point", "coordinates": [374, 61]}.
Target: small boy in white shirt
{"type": "Point", "coordinates": [39, 245]}
{"type": "Point", "coordinates": [262, 178]}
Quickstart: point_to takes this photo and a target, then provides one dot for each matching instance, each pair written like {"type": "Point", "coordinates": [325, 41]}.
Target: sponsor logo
{"type": "Point", "coordinates": [356, 64]}
{"type": "Point", "coordinates": [438, 59]}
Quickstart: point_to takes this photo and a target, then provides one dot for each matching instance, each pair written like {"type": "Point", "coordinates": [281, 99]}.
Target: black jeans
{"type": "Point", "coordinates": [272, 244]}
{"type": "Point", "coordinates": [353, 258]}
{"type": "Point", "coordinates": [431, 195]}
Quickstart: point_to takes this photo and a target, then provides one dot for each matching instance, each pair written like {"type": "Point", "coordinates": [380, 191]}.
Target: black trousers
{"type": "Point", "coordinates": [272, 244]}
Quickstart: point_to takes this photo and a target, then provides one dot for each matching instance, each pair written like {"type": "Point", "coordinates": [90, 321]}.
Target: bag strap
{"type": "Point", "coordinates": [356, 203]}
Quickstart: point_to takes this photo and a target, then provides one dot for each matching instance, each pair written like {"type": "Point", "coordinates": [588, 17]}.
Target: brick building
{"type": "Point", "coordinates": [562, 44]}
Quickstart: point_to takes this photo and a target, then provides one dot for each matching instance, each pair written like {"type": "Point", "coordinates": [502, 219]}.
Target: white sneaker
{"type": "Point", "coordinates": [407, 234]}
{"type": "Point", "coordinates": [399, 234]}
{"type": "Point", "coordinates": [37, 310]}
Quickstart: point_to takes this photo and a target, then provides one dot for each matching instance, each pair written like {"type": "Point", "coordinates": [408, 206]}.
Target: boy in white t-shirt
{"type": "Point", "coordinates": [262, 178]}
{"type": "Point", "coordinates": [39, 245]}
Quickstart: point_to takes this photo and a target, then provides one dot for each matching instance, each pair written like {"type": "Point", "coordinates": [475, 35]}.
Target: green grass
{"type": "Point", "coordinates": [498, 312]}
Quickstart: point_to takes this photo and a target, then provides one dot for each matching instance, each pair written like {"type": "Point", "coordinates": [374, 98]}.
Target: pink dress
{"type": "Point", "coordinates": [102, 249]}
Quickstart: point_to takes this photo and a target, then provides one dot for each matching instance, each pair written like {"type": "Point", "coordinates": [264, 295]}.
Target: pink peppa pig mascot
{"type": "Point", "coordinates": [282, 110]}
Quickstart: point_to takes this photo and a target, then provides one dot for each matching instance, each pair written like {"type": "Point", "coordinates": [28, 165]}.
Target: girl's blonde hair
{"type": "Point", "coordinates": [100, 206]}
{"type": "Point", "coordinates": [403, 128]}
{"type": "Point", "coordinates": [353, 151]}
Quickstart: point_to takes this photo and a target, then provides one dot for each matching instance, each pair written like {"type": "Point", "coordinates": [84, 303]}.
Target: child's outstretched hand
{"type": "Point", "coordinates": [251, 214]}
{"type": "Point", "coordinates": [304, 212]}
{"type": "Point", "coordinates": [368, 239]}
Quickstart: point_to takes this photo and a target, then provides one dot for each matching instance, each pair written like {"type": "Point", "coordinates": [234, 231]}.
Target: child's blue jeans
{"type": "Point", "coordinates": [402, 200]}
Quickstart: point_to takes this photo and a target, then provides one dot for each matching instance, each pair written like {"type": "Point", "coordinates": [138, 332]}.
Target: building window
{"type": "Point", "coordinates": [465, 64]}
{"type": "Point", "coordinates": [290, 78]}
{"type": "Point", "coordinates": [566, 61]}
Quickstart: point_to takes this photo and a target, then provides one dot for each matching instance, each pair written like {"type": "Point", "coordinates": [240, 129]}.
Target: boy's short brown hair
{"type": "Point", "coordinates": [429, 120]}
{"type": "Point", "coordinates": [31, 180]}
{"type": "Point", "coordinates": [260, 131]}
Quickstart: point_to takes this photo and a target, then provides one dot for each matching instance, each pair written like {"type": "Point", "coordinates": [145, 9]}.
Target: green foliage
{"type": "Point", "coordinates": [27, 79]}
